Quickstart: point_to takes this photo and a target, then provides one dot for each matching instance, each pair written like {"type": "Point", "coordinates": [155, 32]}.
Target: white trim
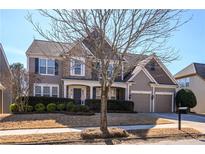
{"type": "Point", "coordinates": [46, 66]}
{"type": "Point", "coordinates": [137, 71]}
{"type": "Point", "coordinates": [163, 86]}
{"type": "Point", "coordinates": [91, 83]}
{"type": "Point", "coordinates": [164, 93]}
{"type": "Point", "coordinates": [140, 92]}
{"type": "Point", "coordinates": [72, 71]}
{"type": "Point", "coordinates": [43, 85]}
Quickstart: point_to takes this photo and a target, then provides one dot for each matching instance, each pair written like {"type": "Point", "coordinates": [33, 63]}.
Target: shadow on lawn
{"type": "Point", "coordinates": [63, 120]}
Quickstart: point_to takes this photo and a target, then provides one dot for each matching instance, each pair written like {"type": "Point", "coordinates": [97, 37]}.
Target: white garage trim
{"type": "Point", "coordinates": [145, 93]}
{"type": "Point", "coordinates": [166, 93]}
{"type": "Point", "coordinates": [140, 92]}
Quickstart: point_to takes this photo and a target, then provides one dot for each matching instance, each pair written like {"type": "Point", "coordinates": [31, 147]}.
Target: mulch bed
{"type": "Point", "coordinates": [75, 138]}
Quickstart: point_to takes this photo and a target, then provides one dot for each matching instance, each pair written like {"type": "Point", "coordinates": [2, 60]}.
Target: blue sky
{"type": "Point", "coordinates": [16, 34]}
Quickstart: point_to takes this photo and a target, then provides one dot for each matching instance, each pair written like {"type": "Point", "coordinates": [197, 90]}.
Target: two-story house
{"type": "Point", "coordinates": [5, 83]}
{"type": "Point", "coordinates": [193, 78]}
{"type": "Point", "coordinates": [148, 83]}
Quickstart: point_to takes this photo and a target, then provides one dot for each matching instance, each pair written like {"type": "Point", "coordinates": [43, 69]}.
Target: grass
{"type": "Point", "coordinates": [32, 121]}
{"type": "Point", "coordinates": [75, 138]}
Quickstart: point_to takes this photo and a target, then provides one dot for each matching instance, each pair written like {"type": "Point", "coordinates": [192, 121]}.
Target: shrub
{"type": "Point", "coordinates": [70, 107]}
{"type": "Point", "coordinates": [40, 107]}
{"type": "Point", "coordinates": [13, 107]}
{"type": "Point", "coordinates": [185, 98]}
{"type": "Point", "coordinates": [113, 105]}
{"type": "Point", "coordinates": [33, 100]}
{"type": "Point", "coordinates": [51, 107]}
{"type": "Point", "coordinates": [61, 107]}
{"type": "Point", "coordinates": [29, 108]}
{"type": "Point", "coordinates": [84, 108]}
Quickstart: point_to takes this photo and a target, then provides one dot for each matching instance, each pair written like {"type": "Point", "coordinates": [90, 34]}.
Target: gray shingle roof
{"type": "Point", "coordinates": [48, 48]}
{"type": "Point", "coordinates": [200, 69]}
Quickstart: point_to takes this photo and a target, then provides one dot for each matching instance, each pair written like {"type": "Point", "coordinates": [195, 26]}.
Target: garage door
{"type": "Point", "coordinates": [141, 102]}
{"type": "Point", "coordinates": [163, 103]}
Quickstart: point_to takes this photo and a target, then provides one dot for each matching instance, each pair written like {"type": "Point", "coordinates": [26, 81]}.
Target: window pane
{"type": "Point", "coordinates": [51, 70]}
{"type": "Point", "coordinates": [37, 91]}
{"type": "Point", "coordinates": [110, 69]}
{"type": "Point", "coordinates": [77, 67]}
{"type": "Point", "coordinates": [51, 63]}
{"type": "Point", "coordinates": [54, 91]}
{"type": "Point", "coordinates": [42, 62]}
{"type": "Point", "coordinates": [43, 70]}
{"type": "Point", "coordinates": [46, 91]}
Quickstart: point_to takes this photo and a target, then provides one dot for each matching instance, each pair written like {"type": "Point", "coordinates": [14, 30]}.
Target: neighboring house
{"type": "Point", "coordinates": [193, 77]}
{"type": "Point", "coordinates": [148, 83]}
{"type": "Point", "coordinates": [5, 83]}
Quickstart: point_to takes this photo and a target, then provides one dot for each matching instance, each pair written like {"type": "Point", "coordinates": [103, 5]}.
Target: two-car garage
{"type": "Point", "coordinates": [146, 101]}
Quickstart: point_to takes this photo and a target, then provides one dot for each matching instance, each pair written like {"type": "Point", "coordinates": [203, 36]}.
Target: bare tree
{"type": "Point", "coordinates": [112, 34]}
{"type": "Point", "coordinates": [20, 85]}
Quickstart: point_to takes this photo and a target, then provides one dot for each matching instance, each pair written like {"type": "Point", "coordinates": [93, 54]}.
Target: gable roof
{"type": "Point", "coordinates": [142, 66]}
{"type": "Point", "coordinates": [192, 69]}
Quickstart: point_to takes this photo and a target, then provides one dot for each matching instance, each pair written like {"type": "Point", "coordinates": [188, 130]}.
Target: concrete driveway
{"type": "Point", "coordinates": [189, 120]}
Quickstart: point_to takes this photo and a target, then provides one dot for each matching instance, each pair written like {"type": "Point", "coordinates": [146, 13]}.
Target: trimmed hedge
{"type": "Point", "coordinates": [113, 105]}
{"type": "Point", "coordinates": [33, 100]}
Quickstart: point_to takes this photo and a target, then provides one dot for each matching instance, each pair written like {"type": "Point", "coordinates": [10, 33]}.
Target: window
{"type": "Point", "coordinates": [110, 70]}
{"type": "Point", "coordinates": [98, 93]}
{"type": "Point", "coordinates": [77, 67]}
{"type": "Point", "coordinates": [42, 66]}
{"type": "Point", "coordinates": [47, 66]}
{"type": "Point", "coordinates": [113, 93]}
{"type": "Point", "coordinates": [54, 91]}
{"type": "Point", "coordinates": [184, 82]}
{"type": "Point", "coordinates": [51, 67]}
{"type": "Point", "coordinates": [37, 91]}
{"type": "Point", "coordinates": [46, 90]}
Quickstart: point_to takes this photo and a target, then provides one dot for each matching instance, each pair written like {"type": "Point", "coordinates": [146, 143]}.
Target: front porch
{"type": "Point", "coordinates": [80, 90]}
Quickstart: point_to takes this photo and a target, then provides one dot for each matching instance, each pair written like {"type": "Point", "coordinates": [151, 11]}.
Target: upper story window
{"type": "Point", "coordinates": [77, 67]}
{"type": "Point", "coordinates": [110, 70]}
{"type": "Point", "coordinates": [184, 82]}
{"type": "Point", "coordinates": [47, 66]}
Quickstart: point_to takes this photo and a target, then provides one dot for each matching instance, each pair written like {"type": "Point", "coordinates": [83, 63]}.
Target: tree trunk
{"type": "Point", "coordinates": [103, 115]}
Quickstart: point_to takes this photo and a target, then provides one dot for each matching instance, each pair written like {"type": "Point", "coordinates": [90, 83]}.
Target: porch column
{"type": "Point", "coordinates": [91, 92]}
{"type": "Point", "coordinates": [127, 92]}
{"type": "Point", "coordinates": [65, 90]}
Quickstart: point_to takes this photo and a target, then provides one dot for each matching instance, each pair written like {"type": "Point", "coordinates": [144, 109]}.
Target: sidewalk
{"type": "Point", "coordinates": [64, 130]}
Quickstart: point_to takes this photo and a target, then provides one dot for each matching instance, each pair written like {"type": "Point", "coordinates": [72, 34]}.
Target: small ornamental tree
{"type": "Point", "coordinates": [185, 98]}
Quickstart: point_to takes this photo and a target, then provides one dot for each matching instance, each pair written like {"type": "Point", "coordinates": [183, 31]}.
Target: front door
{"type": "Point", "coordinates": [77, 95]}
